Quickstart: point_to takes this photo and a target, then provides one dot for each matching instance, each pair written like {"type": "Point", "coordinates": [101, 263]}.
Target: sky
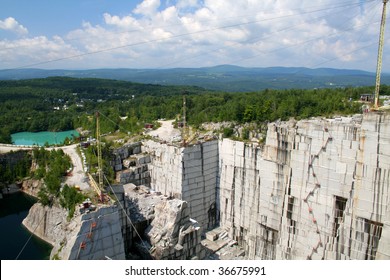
{"type": "Point", "coordinates": [90, 34]}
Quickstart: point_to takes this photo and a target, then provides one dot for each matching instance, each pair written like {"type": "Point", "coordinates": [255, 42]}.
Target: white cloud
{"type": "Point", "coordinates": [188, 33]}
{"type": "Point", "coordinates": [147, 7]}
{"type": "Point", "coordinates": [124, 22]}
{"type": "Point", "coordinates": [29, 51]}
{"type": "Point", "coordinates": [184, 4]}
{"type": "Point", "coordinates": [10, 24]}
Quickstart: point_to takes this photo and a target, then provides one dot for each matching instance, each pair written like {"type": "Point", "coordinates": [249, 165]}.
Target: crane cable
{"type": "Point", "coordinates": [28, 240]}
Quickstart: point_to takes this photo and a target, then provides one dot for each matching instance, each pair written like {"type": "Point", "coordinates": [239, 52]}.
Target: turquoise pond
{"type": "Point", "coordinates": [40, 138]}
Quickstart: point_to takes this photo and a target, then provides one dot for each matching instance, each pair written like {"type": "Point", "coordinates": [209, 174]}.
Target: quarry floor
{"type": "Point", "coordinates": [166, 131]}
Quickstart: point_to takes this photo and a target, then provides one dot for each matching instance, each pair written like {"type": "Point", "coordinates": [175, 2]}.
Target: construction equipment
{"type": "Point", "coordinates": [95, 186]}
{"type": "Point", "coordinates": [380, 53]}
{"type": "Point", "coordinates": [98, 186]}
{"type": "Point", "coordinates": [184, 131]}
{"type": "Point", "coordinates": [187, 135]}
{"type": "Point", "coordinates": [99, 152]}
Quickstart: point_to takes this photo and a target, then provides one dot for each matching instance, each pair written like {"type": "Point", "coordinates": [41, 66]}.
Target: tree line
{"type": "Point", "coordinates": [14, 166]}
{"type": "Point", "coordinates": [59, 103]}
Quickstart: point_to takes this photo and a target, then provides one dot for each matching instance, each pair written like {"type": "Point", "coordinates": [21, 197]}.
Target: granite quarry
{"type": "Point", "coordinates": [315, 189]}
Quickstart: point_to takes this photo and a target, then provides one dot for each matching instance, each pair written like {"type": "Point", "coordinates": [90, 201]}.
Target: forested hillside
{"type": "Point", "coordinates": [59, 103]}
{"type": "Point", "coordinates": [227, 78]}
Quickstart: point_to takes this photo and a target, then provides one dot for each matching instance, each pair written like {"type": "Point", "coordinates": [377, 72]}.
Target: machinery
{"type": "Point", "coordinates": [98, 186]}
{"type": "Point", "coordinates": [380, 53]}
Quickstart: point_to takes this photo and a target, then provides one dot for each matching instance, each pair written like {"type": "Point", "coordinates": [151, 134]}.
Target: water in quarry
{"type": "Point", "coordinates": [13, 235]}
{"type": "Point", "coordinates": [43, 137]}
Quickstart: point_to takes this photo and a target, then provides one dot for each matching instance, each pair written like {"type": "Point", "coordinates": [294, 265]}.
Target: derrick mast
{"type": "Point", "coordinates": [380, 53]}
{"type": "Point", "coordinates": [98, 186]}
{"type": "Point", "coordinates": [99, 153]}
{"type": "Point", "coordinates": [184, 129]}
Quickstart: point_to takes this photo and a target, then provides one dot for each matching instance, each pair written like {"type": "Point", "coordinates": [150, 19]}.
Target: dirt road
{"type": "Point", "coordinates": [6, 148]}
{"type": "Point", "coordinates": [78, 176]}
{"type": "Point", "coordinates": [166, 132]}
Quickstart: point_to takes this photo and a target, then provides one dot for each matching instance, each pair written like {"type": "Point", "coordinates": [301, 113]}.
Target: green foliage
{"type": "Point", "coordinates": [15, 166]}
{"type": "Point", "coordinates": [272, 105]}
{"type": "Point", "coordinates": [92, 162]}
{"type": "Point", "coordinates": [52, 166]}
{"type": "Point", "coordinates": [53, 183]}
{"type": "Point", "coordinates": [54, 162]}
{"type": "Point", "coordinates": [43, 196]}
{"type": "Point", "coordinates": [39, 173]}
{"type": "Point", "coordinates": [69, 198]}
{"type": "Point", "coordinates": [245, 134]}
{"type": "Point", "coordinates": [228, 132]}
{"type": "Point", "coordinates": [6, 175]}
{"type": "Point", "coordinates": [61, 103]}
{"type": "Point", "coordinates": [22, 167]}
{"type": "Point", "coordinates": [5, 135]}
{"type": "Point", "coordinates": [67, 141]}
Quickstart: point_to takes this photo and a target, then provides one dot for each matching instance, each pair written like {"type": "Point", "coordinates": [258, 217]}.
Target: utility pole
{"type": "Point", "coordinates": [380, 53]}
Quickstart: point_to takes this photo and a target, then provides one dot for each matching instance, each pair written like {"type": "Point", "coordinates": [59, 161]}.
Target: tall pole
{"type": "Point", "coordinates": [184, 136]}
{"type": "Point", "coordinates": [380, 53]}
{"type": "Point", "coordinates": [99, 152]}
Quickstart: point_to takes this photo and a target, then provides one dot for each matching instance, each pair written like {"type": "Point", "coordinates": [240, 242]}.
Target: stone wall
{"type": "Point", "coordinates": [99, 236]}
{"type": "Point", "coordinates": [12, 158]}
{"type": "Point", "coordinates": [166, 168]}
{"type": "Point", "coordinates": [94, 235]}
{"type": "Point", "coordinates": [172, 234]}
{"type": "Point", "coordinates": [251, 197]}
{"type": "Point", "coordinates": [48, 223]}
{"type": "Point", "coordinates": [319, 189]}
{"type": "Point", "coordinates": [155, 226]}
{"type": "Point", "coordinates": [9, 161]}
{"type": "Point", "coordinates": [189, 174]}
{"type": "Point", "coordinates": [199, 185]}
{"type": "Point", "coordinates": [130, 165]}
{"type": "Point", "coordinates": [123, 153]}
{"type": "Point", "coordinates": [32, 186]}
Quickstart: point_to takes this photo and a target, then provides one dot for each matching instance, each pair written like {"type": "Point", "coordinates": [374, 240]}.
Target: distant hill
{"type": "Point", "coordinates": [224, 77]}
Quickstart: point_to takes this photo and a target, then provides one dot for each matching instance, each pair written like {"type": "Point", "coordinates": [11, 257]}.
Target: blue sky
{"type": "Point", "coordinates": [52, 17]}
{"type": "Point", "coordinates": [85, 34]}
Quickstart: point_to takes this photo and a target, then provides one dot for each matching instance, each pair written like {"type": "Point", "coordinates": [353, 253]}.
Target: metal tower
{"type": "Point", "coordinates": [99, 153]}
{"type": "Point", "coordinates": [184, 128]}
{"type": "Point", "coordinates": [380, 53]}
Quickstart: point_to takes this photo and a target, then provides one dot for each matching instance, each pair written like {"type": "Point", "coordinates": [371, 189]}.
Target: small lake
{"type": "Point", "coordinates": [40, 138]}
{"type": "Point", "coordinates": [13, 235]}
